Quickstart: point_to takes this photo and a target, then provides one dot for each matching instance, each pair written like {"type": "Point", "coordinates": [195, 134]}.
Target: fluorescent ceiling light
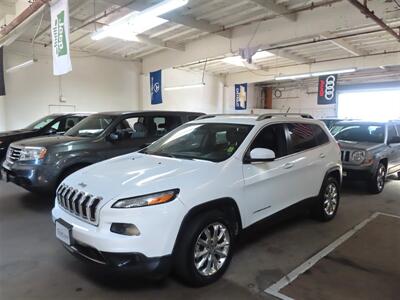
{"type": "Point", "coordinates": [20, 66]}
{"type": "Point", "coordinates": [237, 60]}
{"type": "Point", "coordinates": [262, 54]}
{"type": "Point", "coordinates": [181, 87]}
{"type": "Point", "coordinates": [234, 60]}
{"type": "Point", "coordinates": [299, 76]}
{"type": "Point", "coordinates": [134, 23]}
{"type": "Point", "coordinates": [307, 75]}
{"type": "Point", "coordinates": [333, 72]}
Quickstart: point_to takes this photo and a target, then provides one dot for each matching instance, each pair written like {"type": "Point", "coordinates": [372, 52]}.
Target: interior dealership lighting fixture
{"type": "Point", "coordinates": [307, 75]}
{"type": "Point", "coordinates": [134, 23]}
{"type": "Point", "coordinates": [182, 87]}
{"type": "Point", "coordinates": [20, 66]}
{"type": "Point", "coordinates": [237, 60]}
{"type": "Point", "coordinates": [334, 72]}
{"type": "Point", "coordinates": [299, 76]}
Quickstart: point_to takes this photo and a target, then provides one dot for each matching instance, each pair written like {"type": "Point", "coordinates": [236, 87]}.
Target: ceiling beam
{"type": "Point", "coordinates": [341, 43]}
{"type": "Point", "coordinates": [358, 62]}
{"type": "Point", "coordinates": [277, 9]}
{"type": "Point", "coordinates": [272, 32]}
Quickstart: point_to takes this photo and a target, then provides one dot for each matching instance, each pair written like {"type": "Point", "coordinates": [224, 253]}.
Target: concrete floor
{"type": "Point", "coordinates": [34, 265]}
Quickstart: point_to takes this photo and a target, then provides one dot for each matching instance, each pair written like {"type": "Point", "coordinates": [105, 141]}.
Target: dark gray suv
{"type": "Point", "coordinates": [370, 150]}
{"type": "Point", "coordinates": [40, 164]}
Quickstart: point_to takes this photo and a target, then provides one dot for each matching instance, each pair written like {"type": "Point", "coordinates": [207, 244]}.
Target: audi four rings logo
{"type": "Point", "coordinates": [330, 87]}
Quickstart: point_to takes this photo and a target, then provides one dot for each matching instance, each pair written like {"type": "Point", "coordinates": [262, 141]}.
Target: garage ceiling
{"type": "Point", "coordinates": [218, 17]}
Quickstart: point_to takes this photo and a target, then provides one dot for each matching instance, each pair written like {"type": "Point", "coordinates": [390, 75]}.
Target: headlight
{"type": "Point", "coordinates": [33, 153]}
{"type": "Point", "coordinates": [358, 156]}
{"type": "Point", "coordinates": [147, 200]}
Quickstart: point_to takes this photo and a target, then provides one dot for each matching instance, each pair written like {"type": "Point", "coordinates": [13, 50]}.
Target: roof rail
{"type": "Point", "coordinates": [220, 115]}
{"type": "Point", "coordinates": [270, 115]}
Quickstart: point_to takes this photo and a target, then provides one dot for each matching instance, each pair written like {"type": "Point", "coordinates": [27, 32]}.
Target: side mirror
{"type": "Point", "coordinates": [394, 140]}
{"type": "Point", "coordinates": [261, 155]}
{"type": "Point", "coordinates": [51, 131]}
{"type": "Point", "coordinates": [113, 137]}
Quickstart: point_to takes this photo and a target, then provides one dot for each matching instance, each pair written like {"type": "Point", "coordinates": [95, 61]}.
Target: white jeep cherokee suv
{"type": "Point", "coordinates": [182, 201]}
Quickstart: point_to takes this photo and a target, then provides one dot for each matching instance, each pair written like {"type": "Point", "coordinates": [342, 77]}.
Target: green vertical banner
{"type": "Point", "coordinates": [60, 37]}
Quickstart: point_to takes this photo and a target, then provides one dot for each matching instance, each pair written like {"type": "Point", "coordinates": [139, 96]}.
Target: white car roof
{"type": "Point", "coordinates": [249, 119]}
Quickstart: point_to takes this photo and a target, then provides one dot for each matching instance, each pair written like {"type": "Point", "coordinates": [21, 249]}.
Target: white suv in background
{"type": "Point", "coordinates": [182, 201]}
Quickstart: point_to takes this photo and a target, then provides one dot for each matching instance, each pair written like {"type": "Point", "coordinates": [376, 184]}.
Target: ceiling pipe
{"type": "Point", "coordinates": [370, 14]}
{"type": "Point", "coordinates": [18, 20]}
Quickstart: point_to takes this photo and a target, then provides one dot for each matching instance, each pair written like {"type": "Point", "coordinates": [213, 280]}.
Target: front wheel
{"type": "Point", "coordinates": [205, 249]}
{"type": "Point", "coordinates": [327, 204]}
{"type": "Point", "coordinates": [377, 182]}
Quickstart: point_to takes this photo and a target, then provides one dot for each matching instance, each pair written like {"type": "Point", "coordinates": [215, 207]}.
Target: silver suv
{"type": "Point", "coordinates": [370, 150]}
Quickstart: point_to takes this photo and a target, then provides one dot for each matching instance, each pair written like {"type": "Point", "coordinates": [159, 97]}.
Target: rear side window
{"type": "Point", "coordinates": [301, 137]}
{"type": "Point", "coordinates": [320, 135]}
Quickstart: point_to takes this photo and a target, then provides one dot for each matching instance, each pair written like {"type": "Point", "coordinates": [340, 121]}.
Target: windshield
{"type": "Point", "coordinates": [209, 141]}
{"type": "Point", "coordinates": [92, 126]}
{"type": "Point", "coordinates": [39, 124]}
{"type": "Point", "coordinates": [359, 133]}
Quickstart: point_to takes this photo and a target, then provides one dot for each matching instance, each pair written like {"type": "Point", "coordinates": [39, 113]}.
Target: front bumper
{"type": "Point", "coordinates": [355, 172]}
{"type": "Point", "coordinates": [132, 262]}
{"type": "Point", "coordinates": [30, 176]}
{"type": "Point", "coordinates": [150, 251]}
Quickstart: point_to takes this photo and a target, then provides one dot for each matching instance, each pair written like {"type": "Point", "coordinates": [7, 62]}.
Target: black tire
{"type": "Point", "coordinates": [185, 259]}
{"type": "Point", "coordinates": [327, 204]}
{"type": "Point", "coordinates": [376, 184]}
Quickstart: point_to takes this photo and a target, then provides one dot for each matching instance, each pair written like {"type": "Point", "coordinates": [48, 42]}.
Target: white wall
{"type": "Point", "coordinates": [207, 99]}
{"type": "Point", "coordinates": [302, 100]}
{"type": "Point", "coordinates": [95, 84]}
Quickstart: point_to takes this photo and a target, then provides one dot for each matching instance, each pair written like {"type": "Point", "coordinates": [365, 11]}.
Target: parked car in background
{"type": "Point", "coordinates": [40, 164]}
{"type": "Point", "coordinates": [183, 200]}
{"type": "Point", "coordinates": [49, 125]}
{"type": "Point", "coordinates": [370, 151]}
{"type": "Point", "coordinates": [330, 122]}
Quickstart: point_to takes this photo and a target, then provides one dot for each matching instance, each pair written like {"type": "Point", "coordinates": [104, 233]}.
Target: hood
{"type": "Point", "coordinates": [48, 141]}
{"type": "Point", "coordinates": [138, 174]}
{"type": "Point", "coordinates": [359, 145]}
{"type": "Point", "coordinates": [16, 133]}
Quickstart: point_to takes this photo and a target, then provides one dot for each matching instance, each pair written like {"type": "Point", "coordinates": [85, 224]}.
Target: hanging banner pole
{"type": "Point", "coordinates": [60, 37]}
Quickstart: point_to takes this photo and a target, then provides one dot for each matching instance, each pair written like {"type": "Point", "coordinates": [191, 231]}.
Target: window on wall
{"type": "Point", "coordinates": [371, 105]}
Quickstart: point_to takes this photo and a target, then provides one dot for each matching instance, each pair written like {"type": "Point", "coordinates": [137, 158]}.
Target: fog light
{"type": "Point", "coordinates": [125, 229]}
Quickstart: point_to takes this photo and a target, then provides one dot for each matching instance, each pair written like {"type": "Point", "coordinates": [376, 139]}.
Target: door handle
{"type": "Point", "coordinates": [322, 155]}
{"type": "Point", "coordinates": [288, 165]}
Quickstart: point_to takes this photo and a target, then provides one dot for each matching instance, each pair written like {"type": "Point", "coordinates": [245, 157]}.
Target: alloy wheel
{"type": "Point", "coordinates": [211, 249]}
{"type": "Point", "coordinates": [330, 199]}
{"type": "Point", "coordinates": [380, 177]}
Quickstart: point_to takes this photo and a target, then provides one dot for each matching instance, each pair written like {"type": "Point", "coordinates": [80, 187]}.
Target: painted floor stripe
{"type": "Point", "coordinates": [274, 289]}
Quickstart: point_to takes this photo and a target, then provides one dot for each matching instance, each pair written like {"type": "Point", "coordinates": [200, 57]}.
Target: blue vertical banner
{"type": "Point", "coordinates": [155, 87]}
{"type": "Point", "coordinates": [241, 96]}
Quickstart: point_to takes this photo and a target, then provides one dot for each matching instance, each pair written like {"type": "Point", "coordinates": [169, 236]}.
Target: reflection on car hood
{"type": "Point", "coordinates": [47, 141]}
{"type": "Point", "coordinates": [359, 145]}
{"type": "Point", "coordinates": [15, 133]}
{"type": "Point", "coordinates": [137, 174]}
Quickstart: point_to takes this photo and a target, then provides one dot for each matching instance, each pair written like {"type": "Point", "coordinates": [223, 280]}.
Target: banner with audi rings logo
{"type": "Point", "coordinates": [327, 89]}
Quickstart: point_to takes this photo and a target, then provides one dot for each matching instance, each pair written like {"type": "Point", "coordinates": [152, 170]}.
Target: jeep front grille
{"type": "Point", "coordinates": [78, 203]}
{"type": "Point", "coordinates": [345, 155]}
{"type": "Point", "coordinates": [13, 154]}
